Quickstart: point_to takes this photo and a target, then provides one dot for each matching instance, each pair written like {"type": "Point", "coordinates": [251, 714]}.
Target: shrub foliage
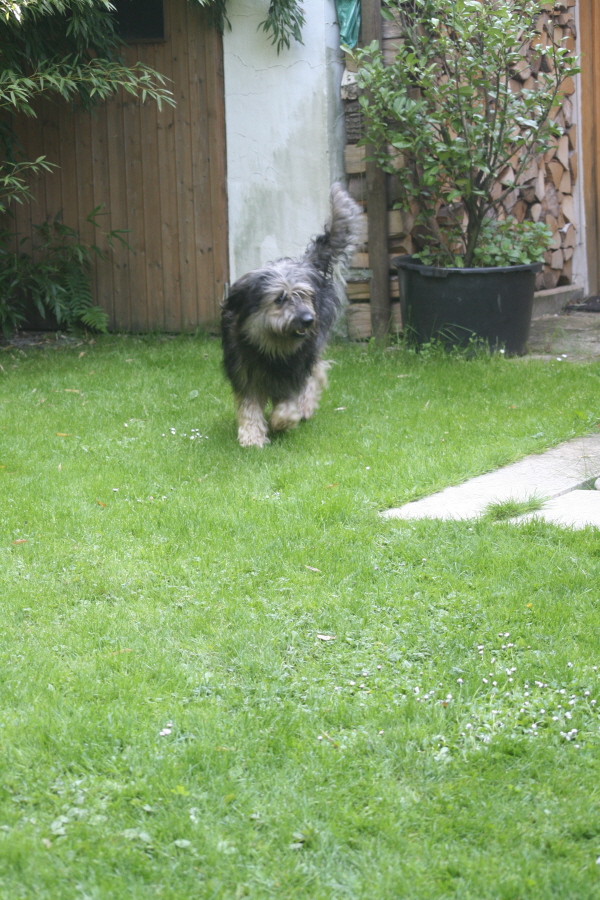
{"type": "Point", "coordinates": [448, 105]}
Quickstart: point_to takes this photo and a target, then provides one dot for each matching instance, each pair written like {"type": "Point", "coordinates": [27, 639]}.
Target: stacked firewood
{"type": "Point", "coordinates": [545, 190]}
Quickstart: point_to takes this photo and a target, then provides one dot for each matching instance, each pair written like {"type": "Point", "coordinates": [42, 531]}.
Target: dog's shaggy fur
{"type": "Point", "coordinates": [276, 322]}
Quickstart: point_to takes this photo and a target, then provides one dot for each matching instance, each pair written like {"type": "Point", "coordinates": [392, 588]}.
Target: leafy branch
{"type": "Point", "coordinates": [284, 22]}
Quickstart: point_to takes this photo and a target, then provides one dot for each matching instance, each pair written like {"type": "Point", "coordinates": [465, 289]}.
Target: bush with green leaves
{"type": "Point", "coordinates": [51, 275]}
{"type": "Point", "coordinates": [506, 243]}
{"type": "Point", "coordinates": [511, 243]}
{"type": "Point", "coordinates": [447, 105]}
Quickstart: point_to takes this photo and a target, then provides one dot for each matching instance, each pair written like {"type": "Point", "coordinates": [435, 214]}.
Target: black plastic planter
{"type": "Point", "coordinates": [455, 305]}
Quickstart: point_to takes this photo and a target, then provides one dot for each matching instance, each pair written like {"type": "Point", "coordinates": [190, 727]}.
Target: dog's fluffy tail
{"type": "Point", "coordinates": [334, 248]}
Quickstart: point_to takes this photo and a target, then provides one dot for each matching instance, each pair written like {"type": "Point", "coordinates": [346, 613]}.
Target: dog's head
{"type": "Point", "coordinates": [275, 307]}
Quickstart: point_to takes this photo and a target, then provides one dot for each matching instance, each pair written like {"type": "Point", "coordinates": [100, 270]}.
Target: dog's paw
{"type": "Point", "coordinates": [252, 437]}
{"type": "Point", "coordinates": [307, 406]}
{"type": "Point", "coordinates": [285, 415]}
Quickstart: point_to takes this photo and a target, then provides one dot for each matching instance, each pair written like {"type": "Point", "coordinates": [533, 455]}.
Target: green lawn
{"type": "Point", "coordinates": [225, 676]}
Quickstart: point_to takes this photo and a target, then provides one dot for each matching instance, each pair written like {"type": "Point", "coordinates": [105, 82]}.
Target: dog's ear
{"type": "Point", "coordinates": [233, 299]}
{"type": "Point", "coordinates": [245, 295]}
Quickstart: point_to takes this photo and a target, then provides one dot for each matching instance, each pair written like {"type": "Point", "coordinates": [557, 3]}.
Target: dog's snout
{"type": "Point", "coordinates": [307, 319]}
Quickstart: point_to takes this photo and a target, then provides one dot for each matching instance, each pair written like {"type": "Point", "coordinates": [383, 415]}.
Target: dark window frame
{"type": "Point", "coordinates": [130, 37]}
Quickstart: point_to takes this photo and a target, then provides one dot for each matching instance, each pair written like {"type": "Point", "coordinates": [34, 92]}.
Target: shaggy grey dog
{"type": "Point", "coordinates": [276, 322]}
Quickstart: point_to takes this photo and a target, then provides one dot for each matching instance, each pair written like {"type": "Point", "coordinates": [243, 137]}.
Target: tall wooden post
{"type": "Point", "coordinates": [377, 203]}
{"type": "Point", "coordinates": [589, 134]}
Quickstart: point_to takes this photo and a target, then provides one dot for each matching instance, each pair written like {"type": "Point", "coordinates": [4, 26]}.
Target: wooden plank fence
{"type": "Point", "coordinates": [160, 175]}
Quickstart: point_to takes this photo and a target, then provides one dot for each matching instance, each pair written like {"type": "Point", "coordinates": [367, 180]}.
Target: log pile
{"type": "Point", "coordinates": [545, 190]}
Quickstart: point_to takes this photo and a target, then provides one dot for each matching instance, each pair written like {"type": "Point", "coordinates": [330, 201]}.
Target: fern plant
{"type": "Point", "coordinates": [52, 276]}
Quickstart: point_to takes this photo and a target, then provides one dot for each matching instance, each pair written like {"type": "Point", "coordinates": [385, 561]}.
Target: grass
{"type": "Point", "coordinates": [225, 676]}
{"type": "Point", "coordinates": [510, 509]}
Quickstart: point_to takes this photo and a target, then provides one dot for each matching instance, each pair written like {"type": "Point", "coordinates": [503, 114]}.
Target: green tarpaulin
{"type": "Point", "coordinates": [348, 13]}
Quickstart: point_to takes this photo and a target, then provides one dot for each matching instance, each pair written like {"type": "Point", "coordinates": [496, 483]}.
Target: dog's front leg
{"type": "Point", "coordinates": [252, 425]}
{"type": "Point", "coordinates": [308, 401]}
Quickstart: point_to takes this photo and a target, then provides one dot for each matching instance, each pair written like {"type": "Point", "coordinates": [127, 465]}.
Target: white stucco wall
{"type": "Point", "coordinates": [285, 132]}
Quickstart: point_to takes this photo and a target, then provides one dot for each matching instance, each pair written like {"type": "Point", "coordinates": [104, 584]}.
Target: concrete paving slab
{"type": "Point", "coordinates": [559, 470]}
{"type": "Point", "coordinates": [577, 509]}
{"type": "Point", "coordinates": [553, 301]}
{"type": "Point", "coordinates": [576, 334]}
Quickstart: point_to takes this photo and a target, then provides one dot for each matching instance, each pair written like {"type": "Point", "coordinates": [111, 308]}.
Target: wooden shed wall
{"type": "Point", "coordinates": [589, 24]}
{"type": "Point", "coordinates": [158, 174]}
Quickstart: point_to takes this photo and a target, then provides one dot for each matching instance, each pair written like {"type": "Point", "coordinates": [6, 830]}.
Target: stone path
{"type": "Point", "coordinates": [575, 510]}
{"type": "Point", "coordinates": [577, 334]}
{"type": "Point", "coordinates": [556, 476]}
{"type": "Point", "coordinates": [564, 477]}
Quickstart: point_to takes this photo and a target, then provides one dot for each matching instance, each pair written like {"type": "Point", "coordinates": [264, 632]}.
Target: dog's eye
{"type": "Point", "coordinates": [279, 300]}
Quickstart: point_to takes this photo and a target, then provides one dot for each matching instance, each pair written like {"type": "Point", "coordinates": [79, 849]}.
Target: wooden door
{"type": "Point", "coordinates": [160, 175]}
